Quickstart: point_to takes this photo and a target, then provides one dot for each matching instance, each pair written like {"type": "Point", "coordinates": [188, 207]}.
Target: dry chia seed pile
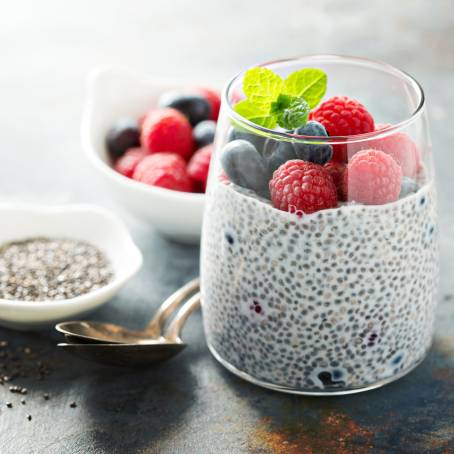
{"type": "Point", "coordinates": [43, 269]}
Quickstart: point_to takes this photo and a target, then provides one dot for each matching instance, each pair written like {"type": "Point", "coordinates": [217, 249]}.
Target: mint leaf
{"type": "Point", "coordinates": [262, 86]}
{"type": "Point", "coordinates": [308, 83]}
{"type": "Point", "coordinates": [258, 114]}
{"type": "Point", "coordinates": [281, 103]}
{"type": "Point", "coordinates": [291, 112]}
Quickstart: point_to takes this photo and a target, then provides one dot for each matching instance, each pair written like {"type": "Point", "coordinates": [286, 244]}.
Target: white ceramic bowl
{"type": "Point", "coordinates": [83, 222]}
{"type": "Point", "coordinates": [116, 93]}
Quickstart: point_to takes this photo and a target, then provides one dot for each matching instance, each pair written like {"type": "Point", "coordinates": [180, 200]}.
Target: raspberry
{"type": "Point", "coordinates": [212, 96]}
{"type": "Point", "coordinates": [399, 146]}
{"type": "Point", "coordinates": [167, 170]}
{"type": "Point", "coordinates": [199, 165]}
{"type": "Point", "coordinates": [167, 130]}
{"type": "Point", "coordinates": [372, 177]}
{"type": "Point", "coordinates": [342, 116]}
{"type": "Point", "coordinates": [128, 162]}
{"type": "Point", "coordinates": [336, 170]}
{"type": "Point", "coordinates": [302, 187]}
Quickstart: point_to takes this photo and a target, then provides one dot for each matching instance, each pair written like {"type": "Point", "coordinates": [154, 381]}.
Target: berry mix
{"type": "Point", "coordinates": [305, 177]}
{"type": "Point", "coordinates": [171, 145]}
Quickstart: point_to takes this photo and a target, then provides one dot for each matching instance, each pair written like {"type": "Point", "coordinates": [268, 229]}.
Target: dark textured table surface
{"type": "Point", "coordinates": [191, 404]}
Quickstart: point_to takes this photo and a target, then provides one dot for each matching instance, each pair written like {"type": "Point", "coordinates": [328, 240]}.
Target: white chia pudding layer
{"type": "Point", "coordinates": [336, 300]}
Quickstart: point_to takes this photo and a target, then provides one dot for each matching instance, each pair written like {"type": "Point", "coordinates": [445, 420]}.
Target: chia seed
{"type": "Point", "coordinates": [43, 269]}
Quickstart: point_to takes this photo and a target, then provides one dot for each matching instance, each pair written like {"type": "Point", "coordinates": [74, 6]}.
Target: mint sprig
{"type": "Point", "coordinates": [272, 101]}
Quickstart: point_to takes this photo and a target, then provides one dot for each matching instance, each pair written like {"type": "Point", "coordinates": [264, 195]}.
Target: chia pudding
{"type": "Point", "coordinates": [340, 299]}
{"type": "Point", "coordinates": [319, 258]}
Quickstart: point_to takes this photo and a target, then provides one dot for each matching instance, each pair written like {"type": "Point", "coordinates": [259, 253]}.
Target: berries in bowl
{"type": "Point", "coordinates": [150, 141]}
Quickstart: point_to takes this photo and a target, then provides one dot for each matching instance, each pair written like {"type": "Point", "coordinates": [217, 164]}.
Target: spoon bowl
{"type": "Point", "coordinates": [143, 354]}
{"type": "Point", "coordinates": [109, 333]}
{"type": "Point", "coordinates": [125, 355]}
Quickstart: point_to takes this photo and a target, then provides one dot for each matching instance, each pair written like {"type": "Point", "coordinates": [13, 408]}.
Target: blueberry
{"type": "Point", "coordinates": [245, 166]}
{"type": "Point", "coordinates": [195, 107]}
{"type": "Point", "coordinates": [337, 374]}
{"type": "Point", "coordinates": [276, 153]}
{"type": "Point", "coordinates": [124, 134]}
{"type": "Point", "coordinates": [318, 154]}
{"type": "Point", "coordinates": [238, 134]}
{"type": "Point", "coordinates": [312, 128]}
{"type": "Point", "coordinates": [407, 187]}
{"type": "Point", "coordinates": [204, 132]}
{"type": "Point", "coordinates": [327, 379]}
{"type": "Point", "coordinates": [397, 359]}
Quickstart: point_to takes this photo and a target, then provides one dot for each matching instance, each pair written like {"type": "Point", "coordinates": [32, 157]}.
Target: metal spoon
{"type": "Point", "coordinates": [99, 332]}
{"type": "Point", "coordinates": [143, 354]}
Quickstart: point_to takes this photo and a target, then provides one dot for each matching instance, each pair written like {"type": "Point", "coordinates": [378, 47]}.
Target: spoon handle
{"type": "Point", "coordinates": [173, 332]}
{"type": "Point", "coordinates": [169, 305]}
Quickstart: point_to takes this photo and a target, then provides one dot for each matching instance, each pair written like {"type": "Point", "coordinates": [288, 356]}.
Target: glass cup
{"type": "Point", "coordinates": [340, 300]}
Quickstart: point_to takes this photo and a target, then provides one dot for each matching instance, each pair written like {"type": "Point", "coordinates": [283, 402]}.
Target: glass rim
{"type": "Point", "coordinates": [335, 140]}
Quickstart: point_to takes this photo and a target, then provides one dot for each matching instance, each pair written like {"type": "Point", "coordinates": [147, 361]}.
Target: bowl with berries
{"type": "Point", "coordinates": [319, 257]}
{"type": "Point", "coordinates": [151, 141]}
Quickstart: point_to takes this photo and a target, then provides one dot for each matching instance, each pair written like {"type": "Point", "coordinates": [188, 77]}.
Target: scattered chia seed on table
{"type": "Point", "coordinates": [40, 269]}
{"type": "Point", "coordinates": [19, 364]}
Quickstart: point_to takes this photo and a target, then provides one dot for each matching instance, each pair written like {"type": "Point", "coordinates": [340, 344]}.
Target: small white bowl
{"type": "Point", "coordinates": [116, 93]}
{"type": "Point", "coordinates": [82, 222]}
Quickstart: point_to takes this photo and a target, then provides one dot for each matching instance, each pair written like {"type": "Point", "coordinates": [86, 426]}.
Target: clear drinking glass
{"type": "Point", "coordinates": [341, 300]}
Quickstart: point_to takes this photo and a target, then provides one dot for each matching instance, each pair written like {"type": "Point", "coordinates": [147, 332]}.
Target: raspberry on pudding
{"type": "Point", "coordinates": [372, 177]}
{"type": "Point", "coordinates": [302, 187]}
